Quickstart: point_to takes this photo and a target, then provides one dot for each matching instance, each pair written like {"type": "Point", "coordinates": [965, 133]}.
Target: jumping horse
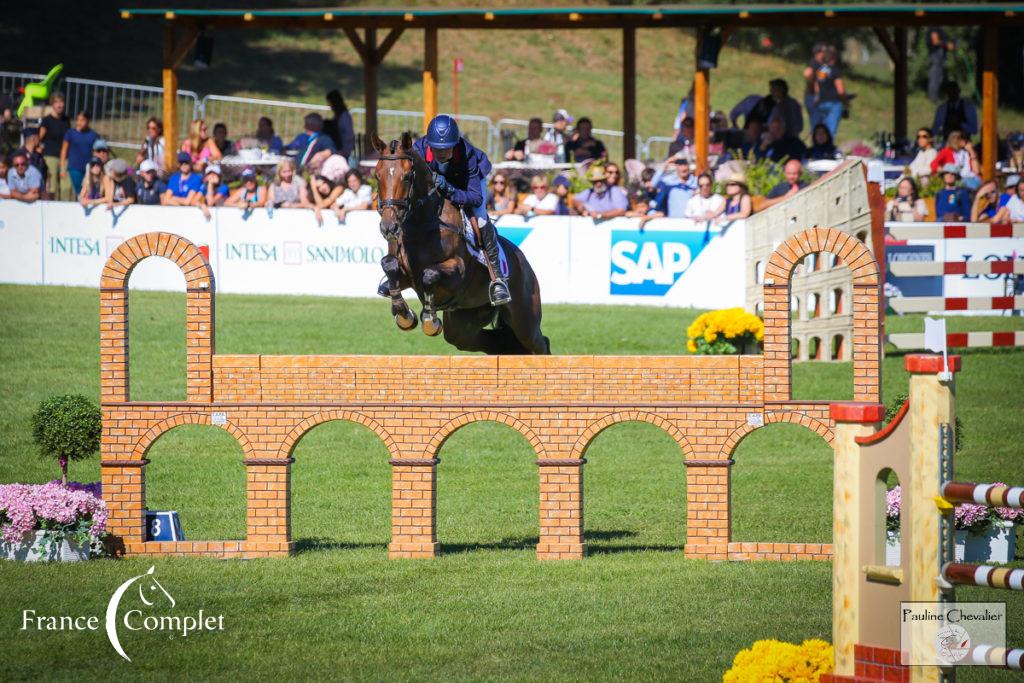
{"type": "Point", "coordinates": [428, 252]}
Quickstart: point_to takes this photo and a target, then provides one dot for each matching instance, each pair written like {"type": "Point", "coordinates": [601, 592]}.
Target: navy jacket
{"type": "Point", "coordinates": [466, 169]}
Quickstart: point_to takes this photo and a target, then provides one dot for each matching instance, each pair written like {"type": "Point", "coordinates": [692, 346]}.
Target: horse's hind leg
{"type": "Point", "coordinates": [404, 318]}
{"type": "Point", "coordinates": [465, 331]}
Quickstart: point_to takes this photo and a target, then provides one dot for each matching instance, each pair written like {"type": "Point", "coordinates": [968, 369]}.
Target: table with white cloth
{"type": "Point", "coordinates": [264, 163]}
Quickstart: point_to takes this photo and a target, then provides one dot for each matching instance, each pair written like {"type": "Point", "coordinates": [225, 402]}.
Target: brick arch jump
{"type": "Point", "coordinates": [449, 428]}
{"type": "Point", "coordinates": [199, 287]}
{"type": "Point", "coordinates": [290, 441]}
{"type": "Point", "coordinates": [164, 426]}
{"type": "Point", "coordinates": [867, 339]}
{"type": "Point", "coordinates": [802, 419]}
{"type": "Point", "coordinates": [581, 445]}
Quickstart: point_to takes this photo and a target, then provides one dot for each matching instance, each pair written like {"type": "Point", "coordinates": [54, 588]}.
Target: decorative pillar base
{"type": "Point", "coordinates": [561, 551]}
{"type": "Point", "coordinates": [412, 551]}
{"type": "Point", "coordinates": [413, 508]}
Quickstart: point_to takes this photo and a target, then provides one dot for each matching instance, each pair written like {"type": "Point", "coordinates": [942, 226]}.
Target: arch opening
{"type": "Point", "coordinates": [157, 334]}
{"type": "Point", "coordinates": [888, 519]}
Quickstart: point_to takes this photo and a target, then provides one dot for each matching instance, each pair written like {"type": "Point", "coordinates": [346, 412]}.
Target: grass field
{"type": "Point", "coordinates": [485, 609]}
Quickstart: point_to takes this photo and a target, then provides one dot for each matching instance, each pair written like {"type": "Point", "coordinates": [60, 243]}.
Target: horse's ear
{"type": "Point", "coordinates": [378, 144]}
{"type": "Point", "coordinates": [407, 140]}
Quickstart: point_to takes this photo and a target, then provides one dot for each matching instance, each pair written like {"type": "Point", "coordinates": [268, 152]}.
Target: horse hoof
{"type": "Point", "coordinates": [432, 326]}
{"type": "Point", "coordinates": [406, 322]}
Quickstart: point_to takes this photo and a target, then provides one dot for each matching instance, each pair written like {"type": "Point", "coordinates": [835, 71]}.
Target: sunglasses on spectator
{"type": "Point", "coordinates": [20, 164]}
{"type": "Point", "coordinates": [499, 182]}
{"type": "Point", "coordinates": [708, 184]}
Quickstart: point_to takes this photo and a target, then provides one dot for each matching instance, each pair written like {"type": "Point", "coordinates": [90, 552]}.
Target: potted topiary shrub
{"type": "Point", "coordinates": [67, 428]}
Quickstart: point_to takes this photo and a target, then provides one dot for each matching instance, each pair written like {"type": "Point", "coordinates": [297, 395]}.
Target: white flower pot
{"type": "Point", "coordinates": [997, 543]}
{"type": "Point", "coordinates": [892, 548]}
{"type": "Point", "coordinates": [65, 550]}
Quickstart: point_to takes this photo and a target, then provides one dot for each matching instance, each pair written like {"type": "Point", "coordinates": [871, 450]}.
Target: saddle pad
{"type": "Point", "coordinates": [478, 253]}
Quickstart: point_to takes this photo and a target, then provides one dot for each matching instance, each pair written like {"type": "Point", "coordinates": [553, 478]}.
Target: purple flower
{"type": "Point", "coordinates": [29, 507]}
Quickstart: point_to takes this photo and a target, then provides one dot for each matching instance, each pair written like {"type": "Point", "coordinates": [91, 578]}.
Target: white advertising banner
{"type": "Point", "coordinates": [21, 242]}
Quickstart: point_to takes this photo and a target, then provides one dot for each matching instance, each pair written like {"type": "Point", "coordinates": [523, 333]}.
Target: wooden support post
{"type": "Point", "coordinates": [629, 92]}
{"type": "Point", "coordinates": [900, 84]}
{"type": "Point", "coordinates": [701, 120]}
{"type": "Point", "coordinates": [429, 75]}
{"type": "Point", "coordinates": [990, 102]}
{"type": "Point", "coordinates": [370, 82]}
{"type": "Point", "coordinates": [170, 113]}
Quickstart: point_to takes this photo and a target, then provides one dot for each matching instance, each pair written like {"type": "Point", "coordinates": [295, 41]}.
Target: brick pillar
{"type": "Point", "coordinates": [124, 490]}
{"type": "Point", "coordinates": [561, 509]}
{"type": "Point", "coordinates": [777, 357]}
{"type": "Point", "coordinates": [708, 521]}
{"type": "Point", "coordinates": [268, 510]}
{"type": "Point", "coordinates": [199, 342]}
{"type": "Point", "coordinates": [413, 508]}
{"type": "Point", "coordinates": [113, 344]}
{"type": "Point", "coordinates": [867, 343]}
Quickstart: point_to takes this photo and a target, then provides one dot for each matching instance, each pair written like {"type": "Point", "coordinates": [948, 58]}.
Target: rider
{"type": "Point", "coordinates": [460, 174]}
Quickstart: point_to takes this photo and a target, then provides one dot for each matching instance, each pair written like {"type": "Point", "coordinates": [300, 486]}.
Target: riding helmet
{"type": "Point", "coordinates": [443, 132]}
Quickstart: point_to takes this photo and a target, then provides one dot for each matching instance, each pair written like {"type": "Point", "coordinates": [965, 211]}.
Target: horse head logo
{"type": "Point", "coordinates": [150, 591]}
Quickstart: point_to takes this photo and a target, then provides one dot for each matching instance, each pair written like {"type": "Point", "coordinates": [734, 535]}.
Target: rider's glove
{"type": "Point", "coordinates": [444, 188]}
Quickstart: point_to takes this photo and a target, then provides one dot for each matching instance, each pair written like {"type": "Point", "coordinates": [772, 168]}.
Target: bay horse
{"type": "Point", "coordinates": [428, 252]}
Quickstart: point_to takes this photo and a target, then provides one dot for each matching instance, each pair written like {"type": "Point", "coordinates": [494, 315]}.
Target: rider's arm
{"type": "Point", "coordinates": [471, 196]}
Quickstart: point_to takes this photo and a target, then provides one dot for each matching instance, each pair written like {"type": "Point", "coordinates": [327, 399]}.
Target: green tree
{"type": "Point", "coordinates": [67, 428]}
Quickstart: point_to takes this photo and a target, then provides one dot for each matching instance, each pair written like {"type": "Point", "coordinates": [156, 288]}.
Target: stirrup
{"type": "Point", "coordinates": [498, 293]}
{"type": "Point", "coordinates": [384, 289]}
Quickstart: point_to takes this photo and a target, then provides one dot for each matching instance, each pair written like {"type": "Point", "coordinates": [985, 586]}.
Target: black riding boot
{"type": "Point", "coordinates": [498, 290]}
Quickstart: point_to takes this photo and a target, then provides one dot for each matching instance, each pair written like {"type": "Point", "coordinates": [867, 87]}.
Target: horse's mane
{"type": "Point", "coordinates": [419, 165]}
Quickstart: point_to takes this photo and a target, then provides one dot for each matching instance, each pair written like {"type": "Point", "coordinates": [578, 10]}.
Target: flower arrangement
{"type": "Point", "coordinates": [772, 660]}
{"type": "Point", "coordinates": [60, 511]}
{"type": "Point", "coordinates": [966, 516]}
{"type": "Point", "coordinates": [723, 332]}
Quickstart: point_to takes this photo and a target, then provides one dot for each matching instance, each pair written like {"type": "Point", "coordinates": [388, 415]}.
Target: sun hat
{"type": "Point", "coordinates": [597, 173]}
{"type": "Point", "coordinates": [116, 169]}
{"type": "Point", "coordinates": [738, 179]}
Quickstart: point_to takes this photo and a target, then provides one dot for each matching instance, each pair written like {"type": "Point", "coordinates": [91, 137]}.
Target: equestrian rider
{"type": "Point", "coordinates": [460, 173]}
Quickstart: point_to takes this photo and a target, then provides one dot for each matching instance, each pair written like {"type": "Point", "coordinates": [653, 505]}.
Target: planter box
{"type": "Point", "coordinates": [65, 550]}
{"type": "Point", "coordinates": [997, 543]}
{"type": "Point", "coordinates": [892, 549]}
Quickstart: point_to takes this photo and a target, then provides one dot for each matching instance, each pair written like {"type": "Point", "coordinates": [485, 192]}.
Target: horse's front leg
{"type": "Point", "coordinates": [404, 317]}
{"type": "Point", "coordinates": [433, 284]}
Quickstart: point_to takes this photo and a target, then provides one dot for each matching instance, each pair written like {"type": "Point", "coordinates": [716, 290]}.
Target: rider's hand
{"type": "Point", "coordinates": [442, 185]}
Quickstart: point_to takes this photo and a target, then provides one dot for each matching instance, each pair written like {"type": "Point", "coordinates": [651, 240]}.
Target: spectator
{"type": "Point", "coordinates": [561, 190]}
{"type": "Point", "coordinates": [357, 196]}
{"type": "Point", "coordinates": [33, 149]}
{"type": "Point", "coordinates": [938, 46]}
{"type": "Point", "coordinates": [583, 146]}
{"type": "Point", "coordinates": [955, 114]}
{"type": "Point", "coordinates": [601, 201]}
{"type": "Point", "coordinates": [501, 197]}
{"type": "Point", "coordinates": [184, 187]}
{"type": "Point", "coordinates": [986, 204]}
{"type": "Point", "coordinates": [778, 103]}
{"type": "Point", "coordinates": [673, 190]}
{"type": "Point", "coordinates": [744, 108]}
{"type": "Point", "coordinates": [647, 182]}
{"type": "Point", "coordinates": [921, 166]}
{"type": "Point", "coordinates": [76, 150]}
{"type": "Point", "coordinates": [737, 199]}
{"type": "Point", "coordinates": [778, 144]}
{"type": "Point", "coordinates": [10, 132]}
{"type": "Point", "coordinates": [540, 202]}
{"type": "Point", "coordinates": [312, 146]}
{"type": "Point", "coordinates": [793, 183]}
{"type": "Point", "coordinates": [339, 128]}
{"type": "Point", "coordinates": [818, 54]}
{"type": "Point", "coordinates": [952, 202]}
{"type": "Point", "coordinates": [120, 186]}
{"type": "Point", "coordinates": [24, 182]}
{"type": "Point", "coordinates": [200, 147]}
{"type": "Point", "coordinates": [1015, 207]}
{"type": "Point", "coordinates": [684, 139]}
{"type": "Point", "coordinates": [706, 204]}
{"type": "Point", "coordinates": [101, 149]}
{"type": "Point", "coordinates": [906, 206]}
{"type": "Point", "coordinates": [93, 185]}
{"type": "Point", "coordinates": [960, 153]}
{"type": "Point", "coordinates": [250, 194]}
{"type": "Point", "coordinates": [753, 131]}
{"type": "Point", "coordinates": [828, 88]}
{"type": "Point", "coordinates": [214, 191]}
{"type": "Point", "coordinates": [614, 174]}
{"type": "Point", "coordinates": [5, 189]}
{"type": "Point", "coordinates": [265, 137]}
{"type": "Point", "coordinates": [524, 149]}
{"type": "Point", "coordinates": [1015, 159]}
{"type": "Point", "coordinates": [686, 110]}
{"type": "Point", "coordinates": [324, 194]}
{"type": "Point", "coordinates": [558, 134]}
{"type": "Point", "coordinates": [51, 131]}
{"type": "Point", "coordinates": [149, 187]}
{"type": "Point", "coordinates": [822, 147]}
{"type": "Point", "coordinates": [287, 190]}
{"type": "Point", "coordinates": [221, 142]}
{"type": "Point", "coordinates": [152, 148]}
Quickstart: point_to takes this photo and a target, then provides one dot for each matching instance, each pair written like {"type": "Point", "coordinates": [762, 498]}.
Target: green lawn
{"type": "Point", "coordinates": [485, 609]}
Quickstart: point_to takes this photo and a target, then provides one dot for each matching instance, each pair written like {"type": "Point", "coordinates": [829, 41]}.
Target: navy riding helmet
{"type": "Point", "coordinates": [443, 132]}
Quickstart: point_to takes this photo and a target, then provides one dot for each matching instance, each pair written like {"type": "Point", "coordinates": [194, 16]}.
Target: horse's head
{"type": "Point", "coordinates": [401, 183]}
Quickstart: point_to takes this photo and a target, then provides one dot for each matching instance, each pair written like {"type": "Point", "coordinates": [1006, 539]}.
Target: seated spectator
{"type": "Point", "coordinates": [706, 204]}
{"type": "Point", "coordinates": [955, 114]}
{"type": "Point", "coordinates": [200, 146]}
{"type": "Point", "coordinates": [793, 183]}
{"type": "Point", "coordinates": [1015, 157]}
{"type": "Point", "coordinates": [753, 131]}
{"type": "Point", "coordinates": [265, 137]}
{"type": "Point", "coordinates": [822, 146]}
{"type": "Point", "coordinates": [10, 132]}
{"type": "Point", "coordinates": [906, 206]}
{"type": "Point", "coordinates": [744, 108]}
{"type": "Point", "coordinates": [24, 181]}
{"type": "Point", "coordinates": [583, 146]}
{"type": "Point", "coordinates": [153, 145]}
{"type": "Point", "coordinates": [558, 134]}
{"type": "Point", "coordinates": [33, 149]}
{"type": "Point", "coordinates": [540, 202]}
{"type": "Point", "coordinates": [120, 186]}
{"type": "Point", "coordinates": [250, 194]}
{"type": "Point", "coordinates": [641, 208]}
{"type": "Point", "coordinates": [1015, 206]}
{"type": "Point", "coordinates": [986, 207]}
{"type": "Point", "coordinates": [324, 194]}
{"type": "Point", "coordinates": [288, 191]}
{"type": "Point", "coordinates": [921, 166]}
{"type": "Point", "coordinates": [647, 182]}
{"type": "Point", "coordinates": [357, 196]}
{"type": "Point", "coordinates": [312, 146]}
{"type": "Point", "coordinates": [686, 109]}
{"type": "Point", "coordinates": [737, 199]}
{"type": "Point", "coordinates": [93, 185]}
{"type": "Point", "coordinates": [779, 144]}
{"type": "Point", "coordinates": [673, 190]}
{"type": "Point", "coordinates": [614, 174]}
{"type": "Point", "coordinates": [684, 139]}
{"type": "Point", "coordinates": [960, 153]}
{"type": "Point", "coordinates": [339, 127]}
{"type": "Point", "coordinates": [101, 149]}
{"type": "Point", "coordinates": [220, 140]}
{"type": "Point", "coordinates": [76, 150]}
{"type": "Point", "coordinates": [778, 104]}
{"type": "Point", "coordinates": [534, 143]}
{"type": "Point", "coordinates": [149, 187]}
{"type": "Point", "coordinates": [214, 191]}
{"type": "Point", "coordinates": [183, 187]}
{"type": "Point", "coordinates": [561, 187]}
{"type": "Point", "coordinates": [501, 197]}
{"type": "Point", "coordinates": [952, 202]}
{"type": "Point", "coordinates": [5, 189]}
{"type": "Point", "coordinates": [601, 201]}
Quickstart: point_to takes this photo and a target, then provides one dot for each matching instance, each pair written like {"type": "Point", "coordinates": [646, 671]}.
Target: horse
{"type": "Point", "coordinates": [428, 252]}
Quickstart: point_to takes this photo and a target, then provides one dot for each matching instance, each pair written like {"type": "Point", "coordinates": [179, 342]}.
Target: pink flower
{"type": "Point", "coordinates": [29, 507]}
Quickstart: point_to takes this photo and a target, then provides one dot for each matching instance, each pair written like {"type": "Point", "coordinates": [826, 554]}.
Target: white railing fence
{"type": "Point", "coordinates": [11, 81]}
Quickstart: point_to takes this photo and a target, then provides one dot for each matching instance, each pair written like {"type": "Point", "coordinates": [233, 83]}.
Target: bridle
{"type": "Point", "coordinates": [402, 207]}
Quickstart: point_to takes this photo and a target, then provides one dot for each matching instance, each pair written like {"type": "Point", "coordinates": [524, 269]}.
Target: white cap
{"type": "Point", "coordinates": [212, 168]}
{"type": "Point", "coordinates": [147, 165]}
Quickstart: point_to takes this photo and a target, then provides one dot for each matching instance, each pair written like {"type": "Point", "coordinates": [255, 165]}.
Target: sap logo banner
{"type": "Point", "coordinates": [649, 263]}
{"type": "Point", "coordinates": [515, 234]}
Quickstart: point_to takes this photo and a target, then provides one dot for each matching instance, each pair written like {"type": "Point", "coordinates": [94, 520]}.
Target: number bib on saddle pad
{"type": "Point", "coordinates": [477, 252]}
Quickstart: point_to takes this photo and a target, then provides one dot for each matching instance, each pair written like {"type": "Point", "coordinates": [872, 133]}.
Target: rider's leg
{"type": "Point", "coordinates": [499, 292]}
